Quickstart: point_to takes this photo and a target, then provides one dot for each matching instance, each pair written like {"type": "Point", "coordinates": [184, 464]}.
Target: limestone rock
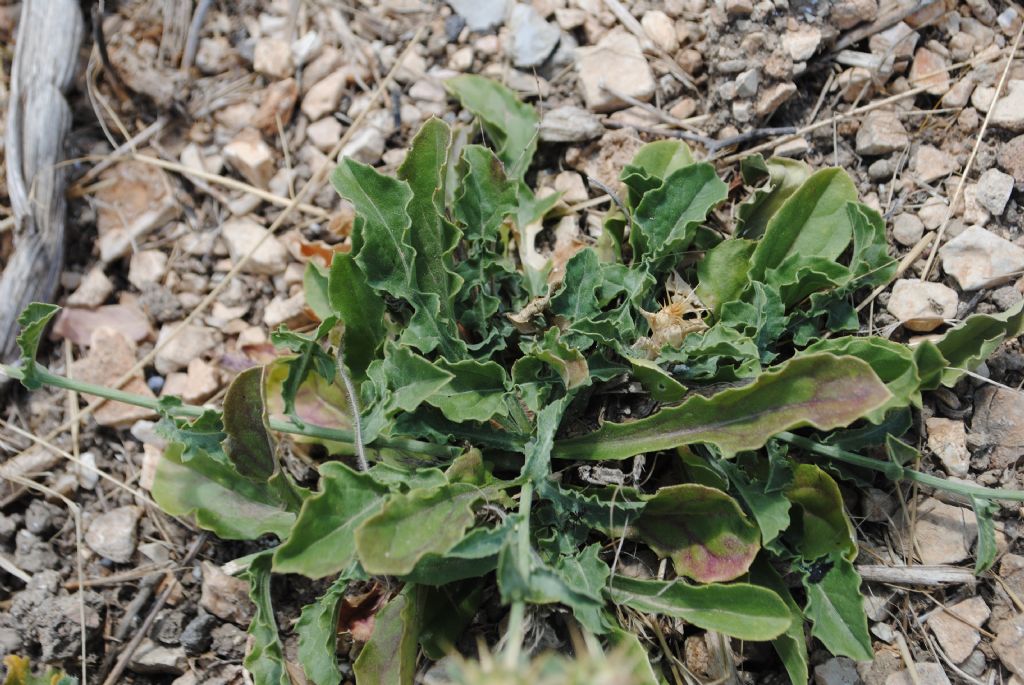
{"type": "Point", "coordinates": [661, 30]}
{"type": "Point", "coordinates": [881, 133]}
{"type": "Point", "coordinates": [79, 325]}
{"type": "Point", "coordinates": [927, 672]}
{"type": "Point", "coordinates": [1011, 158]}
{"type": "Point", "coordinates": [943, 534]}
{"type": "Point", "coordinates": [907, 229]}
{"type": "Point", "coordinates": [977, 258]}
{"type": "Point", "coordinates": [134, 199]}
{"type": "Point", "coordinates": [948, 440]}
{"type": "Point", "coordinates": [323, 97]}
{"type": "Point", "coordinates": [569, 124]}
{"type": "Point", "coordinates": [956, 629]}
{"type": "Point", "coordinates": [1009, 645]}
{"type": "Point", "coordinates": [1008, 112]}
{"type": "Point", "coordinates": [533, 39]}
{"type": "Point", "coordinates": [921, 306]}
{"type": "Point", "coordinates": [802, 43]}
{"type": "Point", "coordinates": [147, 267]}
{"type": "Point", "coordinates": [931, 163]}
{"type": "Point", "coordinates": [999, 422]}
{"type": "Point", "coordinates": [93, 291]}
{"type": "Point", "coordinates": [481, 15]}
{"type": "Point", "coordinates": [773, 98]}
{"type": "Point", "coordinates": [224, 596]}
{"type": "Point", "coordinates": [113, 534]}
{"type": "Point", "coordinates": [837, 671]}
{"type": "Point", "coordinates": [153, 658]}
{"type": "Point", "coordinates": [250, 156]}
{"type": "Point", "coordinates": [196, 385]}
{"type": "Point", "coordinates": [931, 70]}
{"type": "Point", "coordinates": [191, 343]}
{"type": "Point", "coordinates": [111, 355]}
{"type": "Point", "coordinates": [242, 234]}
{"type": "Point", "coordinates": [324, 134]}
{"type": "Point", "coordinates": [290, 311]}
{"type": "Point", "coordinates": [618, 63]}
{"type": "Point", "coordinates": [273, 57]}
{"type": "Point", "coordinates": [994, 189]}
{"type": "Point", "coordinates": [848, 13]}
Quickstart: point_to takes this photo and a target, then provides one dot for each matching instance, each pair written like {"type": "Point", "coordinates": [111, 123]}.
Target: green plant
{"type": "Point", "coordinates": [480, 372]}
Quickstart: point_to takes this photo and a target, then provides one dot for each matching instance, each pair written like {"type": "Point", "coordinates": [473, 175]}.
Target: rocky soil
{"type": "Point", "coordinates": [224, 122]}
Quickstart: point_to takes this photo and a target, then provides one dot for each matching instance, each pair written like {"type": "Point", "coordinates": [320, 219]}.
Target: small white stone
{"type": "Point", "coordinates": [747, 83]}
{"type": "Point", "coordinates": [569, 124]}
{"type": "Point", "coordinates": [772, 98]}
{"type": "Point", "coordinates": [956, 629]}
{"type": "Point", "coordinates": [570, 184]}
{"type": "Point", "coordinates": [1008, 112]}
{"type": "Point", "coordinates": [881, 133]}
{"type": "Point", "coordinates": [931, 163]}
{"type": "Point", "coordinates": [251, 157]}
{"type": "Point", "coordinates": [802, 43]}
{"type": "Point", "coordinates": [977, 258]}
{"type": "Point", "coordinates": [112, 535]}
{"type": "Point", "coordinates": [661, 30]}
{"type": "Point", "coordinates": [994, 189]}
{"type": "Point", "coordinates": [366, 145]}
{"type": "Point", "coordinates": [907, 229]}
{"type": "Point", "coordinates": [618, 63]}
{"type": "Point", "coordinates": [192, 342]}
{"type": "Point", "coordinates": [289, 311]}
{"type": "Point", "coordinates": [323, 97]}
{"type": "Point", "coordinates": [933, 212]}
{"type": "Point", "coordinates": [224, 596]}
{"type": "Point", "coordinates": [147, 266]}
{"type": "Point", "coordinates": [948, 440]}
{"type": "Point", "coordinates": [929, 69]}
{"type": "Point", "coordinates": [273, 58]}
{"type": "Point", "coordinates": [922, 306]}
{"type": "Point", "coordinates": [927, 672]}
{"type": "Point", "coordinates": [324, 134]}
{"type": "Point", "coordinates": [242, 234]}
{"type": "Point", "coordinates": [533, 39]}
{"type": "Point", "coordinates": [943, 534]}
{"type": "Point", "coordinates": [93, 291]}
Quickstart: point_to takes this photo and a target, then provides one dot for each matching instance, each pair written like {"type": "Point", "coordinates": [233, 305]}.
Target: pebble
{"type": "Point", "coordinates": [273, 57]}
{"type": "Point", "coordinates": [93, 291]}
{"type": "Point", "coordinates": [898, 41]}
{"type": "Point", "coordinates": [947, 439]}
{"type": "Point", "coordinates": [739, 8]}
{"type": "Point", "coordinates": [1008, 112]}
{"type": "Point", "coordinates": [927, 672]}
{"type": "Point", "coordinates": [366, 145]}
{"type": "Point", "coordinates": [931, 163]}
{"type": "Point", "coordinates": [802, 43]}
{"type": "Point", "coordinates": [907, 229]}
{"type": "Point", "coordinates": [846, 14]}
{"type": "Point", "coordinates": [881, 133]}
{"type": "Point", "coordinates": [661, 30]}
{"type": "Point", "coordinates": [152, 658]}
{"type": "Point", "coordinates": [1011, 158]}
{"type": "Point", "coordinates": [289, 311]}
{"type": "Point", "coordinates": [922, 306]}
{"type": "Point", "coordinates": [196, 385]}
{"type": "Point", "coordinates": [323, 97]}
{"type": "Point", "coordinates": [224, 596]}
{"type": "Point", "coordinates": [973, 212]}
{"type": "Point", "coordinates": [618, 62]}
{"type": "Point", "coordinates": [133, 199]}
{"type": "Point", "coordinates": [569, 124]}
{"type": "Point", "coordinates": [192, 342]}
{"type": "Point", "coordinates": [241, 234]}
{"type": "Point", "coordinates": [960, 94]}
{"type": "Point", "coordinates": [277, 103]}
{"type": "Point", "coordinates": [533, 39]}
{"type": "Point", "coordinates": [324, 134]}
{"type": "Point", "coordinates": [33, 555]}
{"type": "Point", "coordinates": [571, 185]}
{"type": "Point", "coordinates": [146, 267]}
{"type": "Point", "coordinates": [481, 15]}
{"type": "Point", "coordinates": [994, 189]}
{"type": "Point", "coordinates": [957, 633]}
{"type": "Point", "coordinates": [195, 638]}
{"type": "Point", "coordinates": [978, 257]}
{"type": "Point", "coordinates": [113, 534]}
{"type": "Point", "coordinates": [933, 212]}
{"type": "Point", "coordinates": [1009, 645]}
{"type": "Point", "coordinates": [929, 69]}
{"type": "Point", "coordinates": [39, 517]}
{"type": "Point", "coordinates": [880, 170]}
{"type": "Point", "coordinates": [228, 641]}
{"type": "Point", "coordinates": [944, 534]}
{"type": "Point", "coordinates": [794, 149]}
{"type": "Point", "coordinates": [999, 421]}
{"type": "Point", "coordinates": [747, 83]}
{"type": "Point", "coordinates": [773, 98]}
{"type": "Point", "coordinates": [111, 355]}
{"type": "Point", "coordinates": [251, 157]}
{"type": "Point", "coordinates": [837, 671]}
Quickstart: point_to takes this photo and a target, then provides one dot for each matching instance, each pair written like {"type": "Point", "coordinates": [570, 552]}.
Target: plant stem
{"type": "Point", "coordinates": [895, 472]}
{"type": "Point", "coordinates": [339, 435]}
{"type": "Point", "coordinates": [517, 615]}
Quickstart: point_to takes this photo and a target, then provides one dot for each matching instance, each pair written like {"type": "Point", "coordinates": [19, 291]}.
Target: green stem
{"type": "Point", "coordinates": [517, 615]}
{"type": "Point", "coordinates": [895, 472]}
{"type": "Point", "coordinates": [339, 435]}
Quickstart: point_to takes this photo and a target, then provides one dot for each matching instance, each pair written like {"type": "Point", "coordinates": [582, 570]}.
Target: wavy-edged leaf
{"type": "Point", "coordinates": [660, 383]}
{"type": "Point", "coordinates": [360, 309]}
{"type": "Point", "coordinates": [317, 401]}
{"type": "Point", "coordinates": [825, 527]}
{"type": "Point", "coordinates": [265, 660]}
{"type": "Point", "coordinates": [723, 273]}
{"type": "Point", "coordinates": [389, 658]}
{"type": "Point", "coordinates": [472, 557]}
{"type": "Point", "coordinates": [666, 220]}
{"type": "Point", "coordinates": [476, 392]}
{"type": "Point", "coordinates": [248, 444]}
{"type": "Point", "coordinates": [740, 610]}
{"type": "Point", "coordinates": [813, 222]}
{"type": "Point", "coordinates": [702, 530]}
{"type": "Point", "coordinates": [770, 508]}
{"type": "Point", "coordinates": [447, 611]}
{"type": "Point", "coordinates": [791, 646]}
{"type": "Point", "coordinates": [323, 541]}
{"type": "Point", "coordinates": [836, 610]}
{"type": "Point", "coordinates": [412, 525]}
{"type": "Point", "coordinates": [819, 390]}
{"type": "Point", "coordinates": [315, 286]}
{"type": "Point", "coordinates": [432, 236]}
{"type": "Point", "coordinates": [401, 381]}
{"type": "Point", "coordinates": [317, 629]}
{"type": "Point", "coordinates": [32, 322]}
{"type": "Point", "coordinates": [968, 344]}
{"type": "Point", "coordinates": [651, 165]}
{"type": "Point", "coordinates": [784, 176]}
{"type": "Point", "coordinates": [985, 554]}
{"type": "Point", "coordinates": [485, 195]}
{"type": "Point", "coordinates": [510, 124]}
{"type": "Point", "coordinates": [221, 499]}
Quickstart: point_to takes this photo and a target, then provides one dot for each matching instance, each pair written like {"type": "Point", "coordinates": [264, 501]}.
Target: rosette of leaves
{"type": "Point", "coordinates": [526, 423]}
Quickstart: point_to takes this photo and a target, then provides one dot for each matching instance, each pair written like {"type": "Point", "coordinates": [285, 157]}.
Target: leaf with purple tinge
{"type": "Point", "coordinates": [820, 390]}
{"type": "Point", "coordinates": [703, 530]}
